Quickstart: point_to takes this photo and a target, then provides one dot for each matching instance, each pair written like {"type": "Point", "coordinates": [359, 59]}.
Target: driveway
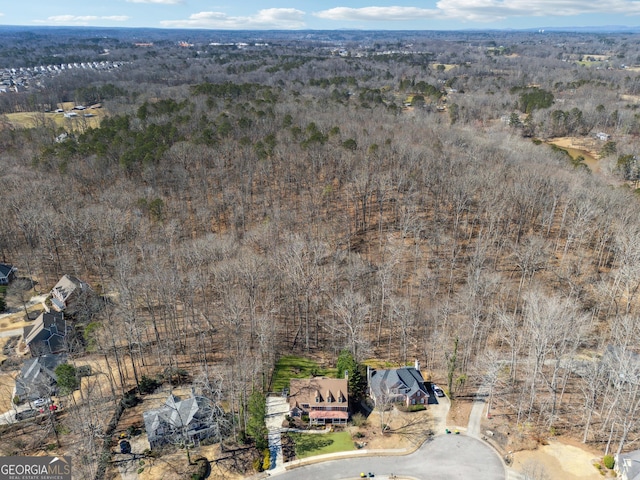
{"type": "Point", "coordinates": [277, 409]}
{"type": "Point", "coordinates": [444, 456]}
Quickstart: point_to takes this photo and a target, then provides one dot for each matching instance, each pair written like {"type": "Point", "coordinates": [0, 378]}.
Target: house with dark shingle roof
{"type": "Point", "coordinates": [188, 420]}
{"type": "Point", "coordinates": [47, 334]}
{"type": "Point", "coordinates": [7, 273]}
{"type": "Point", "coordinates": [401, 385]}
{"type": "Point", "coordinates": [37, 377]}
{"type": "Point", "coordinates": [324, 400]}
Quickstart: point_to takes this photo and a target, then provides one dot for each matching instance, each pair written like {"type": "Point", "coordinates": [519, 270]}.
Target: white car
{"type": "Point", "coordinates": [41, 402]}
{"type": "Point", "coordinates": [437, 390]}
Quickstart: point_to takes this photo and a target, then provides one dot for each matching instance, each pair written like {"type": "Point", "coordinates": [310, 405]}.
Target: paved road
{"type": "Point", "coordinates": [445, 456]}
{"type": "Point", "coordinates": [16, 332]}
{"type": "Point", "coordinates": [277, 409]}
{"type": "Point", "coordinates": [475, 417]}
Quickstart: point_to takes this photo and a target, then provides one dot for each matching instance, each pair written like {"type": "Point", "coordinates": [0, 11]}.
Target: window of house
{"type": "Point", "coordinates": [305, 405]}
{"type": "Point", "coordinates": [317, 399]}
{"type": "Point", "coordinates": [413, 401]}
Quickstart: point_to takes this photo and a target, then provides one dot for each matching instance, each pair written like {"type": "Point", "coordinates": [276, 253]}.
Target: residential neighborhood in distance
{"type": "Point", "coordinates": [244, 252]}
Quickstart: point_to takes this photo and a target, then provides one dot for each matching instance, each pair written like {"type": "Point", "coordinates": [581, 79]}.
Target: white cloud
{"type": "Point", "coordinates": [162, 2]}
{"type": "Point", "coordinates": [270, 18]}
{"type": "Point", "coordinates": [374, 14]}
{"type": "Point", "coordinates": [80, 19]}
{"type": "Point", "coordinates": [492, 10]}
{"type": "Point", "coordinates": [482, 10]}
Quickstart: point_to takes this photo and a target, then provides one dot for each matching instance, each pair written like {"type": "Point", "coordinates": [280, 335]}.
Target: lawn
{"type": "Point", "coordinates": [79, 123]}
{"type": "Point", "coordinates": [308, 444]}
{"type": "Point", "coordinates": [289, 367]}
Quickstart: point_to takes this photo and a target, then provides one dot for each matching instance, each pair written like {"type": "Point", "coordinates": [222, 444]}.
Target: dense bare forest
{"type": "Point", "coordinates": [307, 193]}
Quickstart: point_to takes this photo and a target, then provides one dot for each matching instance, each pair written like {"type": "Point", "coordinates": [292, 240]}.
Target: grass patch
{"type": "Point", "coordinates": [383, 364]}
{"type": "Point", "coordinates": [289, 367]}
{"type": "Point", "coordinates": [308, 445]}
{"type": "Point", "coordinates": [79, 123]}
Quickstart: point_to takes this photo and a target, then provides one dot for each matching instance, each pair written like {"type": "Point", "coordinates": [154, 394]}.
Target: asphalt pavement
{"type": "Point", "coordinates": [444, 456]}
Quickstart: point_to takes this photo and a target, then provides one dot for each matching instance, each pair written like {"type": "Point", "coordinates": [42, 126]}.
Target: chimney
{"type": "Point", "coordinates": [417, 365]}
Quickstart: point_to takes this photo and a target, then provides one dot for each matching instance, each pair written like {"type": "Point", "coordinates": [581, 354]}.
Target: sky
{"type": "Point", "coordinates": [322, 14]}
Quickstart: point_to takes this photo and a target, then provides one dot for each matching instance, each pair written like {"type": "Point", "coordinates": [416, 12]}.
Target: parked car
{"type": "Point", "coordinates": [41, 402]}
{"type": "Point", "coordinates": [437, 390]}
{"type": "Point", "coordinates": [125, 446]}
{"type": "Point", "coordinates": [24, 414]}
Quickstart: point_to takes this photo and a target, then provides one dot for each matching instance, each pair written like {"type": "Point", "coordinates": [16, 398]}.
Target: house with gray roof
{"type": "Point", "coordinates": [627, 466]}
{"type": "Point", "coordinates": [47, 334]}
{"type": "Point", "coordinates": [189, 420]}
{"type": "Point", "coordinates": [7, 273]}
{"type": "Point", "coordinates": [37, 378]}
{"type": "Point", "coordinates": [400, 385]}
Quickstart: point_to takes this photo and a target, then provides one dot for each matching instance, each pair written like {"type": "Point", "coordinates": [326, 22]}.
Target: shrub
{"type": "Point", "coordinates": [358, 435]}
{"type": "Point", "coordinates": [257, 465]}
{"type": "Point", "coordinates": [358, 420]}
{"type": "Point", "coordinates": [609, 461]}
{"type": "Point", "coordinates": [266, 459]}
{"type": "Point", "coordinates": [203, 471]}
{"type": "Point", "coordinates": [130, 400]}
{"type": "Point", "coordinates": [411, 408]}
{"type": "Point", "coordinates": [147, 384]}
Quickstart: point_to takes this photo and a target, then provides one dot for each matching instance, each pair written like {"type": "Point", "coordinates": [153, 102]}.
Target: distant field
{"type": "Point", "coordinates": [79, 123]}
{"type": "Point", "coordinates": [447, 66]}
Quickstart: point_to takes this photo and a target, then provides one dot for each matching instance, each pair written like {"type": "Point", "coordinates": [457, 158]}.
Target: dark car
{"type": "Point", "coordinates": [24, 414]}
{"type": "Point", "coordinates": [125, 446]}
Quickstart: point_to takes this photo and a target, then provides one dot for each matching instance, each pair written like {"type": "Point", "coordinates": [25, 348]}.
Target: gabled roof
{"type": "Point", "coordinates": [66, 286]}
{"type": "Point", "coordinates": [5, 269]}
{"type": "Point", "coordinates": [400, 381]}
{"type": "Point", "coordinates": [628, 465]}
{"type": "Point", "coordinates": [38, 374]}
{"type": "Point", "coordinates": [318, 391]}
{"type": "Point", "coordinates": [64, 289]}
{"type": "Point", "coordinates": [176, 414]}
{"type": "Point", "coordinates": [49, 328]}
